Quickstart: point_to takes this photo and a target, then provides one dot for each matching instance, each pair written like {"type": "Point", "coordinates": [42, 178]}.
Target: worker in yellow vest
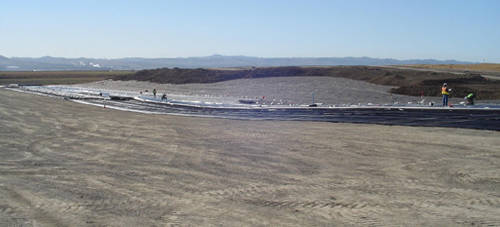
{"type": "Point", "coordinates": [445, 92]}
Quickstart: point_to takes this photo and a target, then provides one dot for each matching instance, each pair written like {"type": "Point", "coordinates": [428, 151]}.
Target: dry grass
{"type": "Point", "coordinates": [58, 77]}
{"type": "Point", "coordinates": [488, 67]}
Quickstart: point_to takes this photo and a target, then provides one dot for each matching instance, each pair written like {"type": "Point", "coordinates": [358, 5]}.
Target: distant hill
{"type": "Point", "coordinates": [48, 63]}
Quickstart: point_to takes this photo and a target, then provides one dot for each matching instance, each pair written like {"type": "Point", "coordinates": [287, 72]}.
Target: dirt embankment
{"type": "Point", "coordinates": [407, 81]}
{"type": "Point", "coordinates": [67, 164]}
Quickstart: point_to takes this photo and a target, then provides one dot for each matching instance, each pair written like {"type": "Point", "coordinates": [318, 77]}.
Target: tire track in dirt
{"type": "Point", "coordinates": [469, 196]}
{"type": "Point", "coordinates": [7, 210]}
{"type": "Point", "coordinates": [351, 210]}
{"type": "Point", "coordinates": [347, 211]}
{"type": "Point", "coordinates": [491, 202]}
{"type": "Point", "coordinates": [444, 195]}
{"type": "Point", "coordinates": [433, 214]}
{"type": "Point", "coordinates": [473, 198]}
{"type": "Point", "coordinates": [281, 204]}
{"type": "Point", "coordinates": [172, 219]}
{"type": "Point", "coordinates": [439, 196]}
{"type": "Point", "coordinates": [93, 204]}
{"type": "Point", "coordinates": [149, 208]}
{"type": "Point", "coordinates": [36, 147]}
{"type": "Point", "coordinates": [24, 205]}
{"type": "Point", "coordinates": [464, 177]}
{"type": "Point", "coordinates": [250, 191]}
{"type": "Point", "coordinates": [479, 222]}
{"type": "Point", "coordinates": [258, 189]}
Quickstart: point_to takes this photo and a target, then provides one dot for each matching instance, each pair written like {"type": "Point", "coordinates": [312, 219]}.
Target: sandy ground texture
{"type": "Point", "coordinates": [67, 164]}
{"type": "Point", "coordinates": [294, 90]}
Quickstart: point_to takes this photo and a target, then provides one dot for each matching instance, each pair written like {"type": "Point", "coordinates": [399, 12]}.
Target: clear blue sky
{"type": "Point", "coordinates": [455, 29]}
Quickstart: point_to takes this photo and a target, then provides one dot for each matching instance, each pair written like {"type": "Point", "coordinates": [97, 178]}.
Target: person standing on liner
{"type": "Point", "coordinates": [154, 92]}
{"type": "Point", "coordinates": [445, 92]}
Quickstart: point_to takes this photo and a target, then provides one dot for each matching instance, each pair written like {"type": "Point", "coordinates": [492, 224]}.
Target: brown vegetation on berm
{"type": "Point", "coordinates": [57, 77]}
{"type": "Point", "coordinates": [483, 67]}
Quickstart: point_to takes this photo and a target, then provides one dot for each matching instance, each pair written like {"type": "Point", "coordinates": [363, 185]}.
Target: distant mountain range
{"type": "Point", "coordinates": [55, 63]}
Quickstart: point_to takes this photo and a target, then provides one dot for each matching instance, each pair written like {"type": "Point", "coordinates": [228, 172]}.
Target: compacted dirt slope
{"type": "Point", "coordinates": [67, 164]}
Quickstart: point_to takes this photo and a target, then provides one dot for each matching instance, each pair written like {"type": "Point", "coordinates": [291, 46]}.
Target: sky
{"type": "Point", "coordinates": [467, 30]}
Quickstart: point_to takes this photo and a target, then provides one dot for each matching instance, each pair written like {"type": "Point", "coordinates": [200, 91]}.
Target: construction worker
{"type": "Point", "coordinates": [154, 92]}
{"type": "Point", "coordinates": [470, 98]}
{"type": "Point", "coordinates": [445, 92]}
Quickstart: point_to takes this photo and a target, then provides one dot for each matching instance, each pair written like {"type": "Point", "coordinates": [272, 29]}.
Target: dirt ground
{"type": "Point", "coordinates": [68, 164]}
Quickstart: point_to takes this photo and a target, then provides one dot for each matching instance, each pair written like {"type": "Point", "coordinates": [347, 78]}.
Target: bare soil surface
{"type": "Point", "coordinates": [67, 164]}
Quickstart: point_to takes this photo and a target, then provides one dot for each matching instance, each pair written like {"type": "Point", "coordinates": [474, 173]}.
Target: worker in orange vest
{"type": "Point", "coordinates": [445, 92]}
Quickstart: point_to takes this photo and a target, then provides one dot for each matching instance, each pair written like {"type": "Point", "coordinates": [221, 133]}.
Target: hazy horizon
{"type": "Point", "coordinates": [441, 30]}
{"type": "Point", "coordinates": [220, 55]}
